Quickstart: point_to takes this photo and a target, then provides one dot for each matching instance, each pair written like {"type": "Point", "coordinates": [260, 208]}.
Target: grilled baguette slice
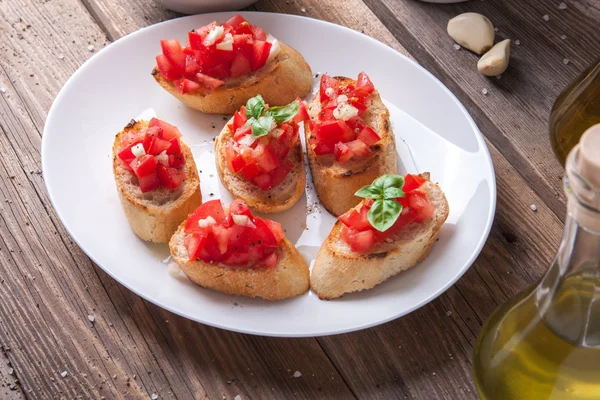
{"type": "Point", "coordinates": [281, 80]}
{"type": "Point", "coordinates": [336, 184]}
{"type": "Point", "coordinates": [288, 279]}
{"type": "Point", "coordinates": [337, 270]}
{"type": "Point", "coordinates": [277, 199]}
{"type": "Point", "coordinates": [155, 215]}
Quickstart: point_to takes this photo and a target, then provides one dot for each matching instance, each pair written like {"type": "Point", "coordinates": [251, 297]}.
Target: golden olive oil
{"type": "Point", "coordinates": [576, 109]}
{"type": "Point", "coordinates": [520, 355]}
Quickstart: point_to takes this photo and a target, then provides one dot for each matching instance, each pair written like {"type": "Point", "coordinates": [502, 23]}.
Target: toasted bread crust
{"type": "Point", "coordinates": [290, 278]}
{"type": "Point", "coordinates": [337, 270]}
{"type": "Point", "coordinates": [336, 184]}
{"type": "Point", "coordinates": [277, 199]}
{"type": "Point", "coordinates": [154, 220]}
{"type": "Point", "coordinates": [280, 81]}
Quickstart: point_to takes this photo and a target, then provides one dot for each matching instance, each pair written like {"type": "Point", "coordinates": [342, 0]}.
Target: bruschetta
{"type": "Point", "coordinates": [349, 140]}
{"type": "Point", "coordinates": [232, 251]}
{"type": "Point", "coordinates": [222, 66]}
{"type": "Point", "coordinates": [156, 178]}
{"type": "Point", "coordinates": [390, 230]}
{"type": "Point", "coordinates": [259, 156]}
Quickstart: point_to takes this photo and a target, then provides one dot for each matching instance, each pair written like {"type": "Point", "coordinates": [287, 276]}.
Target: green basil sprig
{"type": "Point", "coordinates": [261, 120]}
{"type": "Point", "coordinates": [385, 210]}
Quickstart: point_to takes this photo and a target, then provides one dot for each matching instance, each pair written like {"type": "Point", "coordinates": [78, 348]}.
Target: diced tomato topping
{"type": "Point", "coordinates": [169, 177]}
{"type": "Point", "coordinates": [176, 160]}
{"type": "Point", "coordinates": [357, 240]}
{"type": "Point", "coordinates": [239, 119]}
{"type": "Point", "coordinates": [220, 239]}
{"type": "Point", "coordinates": [326, 83]}
{"type": "Point", "coordinates": [263, 181]}
{"type": "Point", "coordinates": [364, 83]}
{"type": "Point", "coordinates": [324, 148]}
{"type": "Point", "coordinates": [159, 145]}
{"type": "Point", "coordinates": [168, 131]}
{"type": "Point", "coordinates": [302, 112]}
{"type": "Point", "coordinates": [186, 86]}
{"type": "Point", "coordinates": [143, 166]}
{"type": "Point", "coordinates": [261, 50]}
{"type": "Point", "coordinates": [416, 208]}
{"type": "Point", "coordinates": [240, 66]}
{"type": "Point", "coordinates": [368, 136]}
{"type": "Point", "coordinates": [359, 148]}
{"type": "Point", "coordinates": [174, 146]}
{"type": "Point", "coordinates": [249, 171]}
{"type": "Point", "coordinates": [331, 131]}
{"type": "Point", "coordinates": [125, 153]}
{"type": "Point", "coordinates": [342, 152]}
{"type": "Point", "coordinates": [266, 159]}
{"type": "Point", "coordinates": [241, 132]}
{"type": "Point", "coordinates": [258, 33]}
{"type": "Point", "coordinates": [192, 67]}
{"type": "Point", "coordinates": [166, 69]}
{"type": "Point", "coordinates": [173, 52]}
{"type": "Point", "coordinates": [412, 182]}
{"type": "Point", "coordinates": [208, 82]}
{"type": "Point", "coordinates": [279, 173]}
{"type": "Point", "coordinates": [235, 21]}
{"type": "Point", "coordinates": [271, 260]}
{"type": "Point", "coordinates": [148, 182]}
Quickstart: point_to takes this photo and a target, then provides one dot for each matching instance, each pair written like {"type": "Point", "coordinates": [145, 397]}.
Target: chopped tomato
{"type": "Point", "coordinates": [208, 82]}
{"type": "Point", "coordinates": [148, 182]}
{"type": "Point", "coordinates": [368, 136]}
{"type": "Point", "coordinates": [169, 177]}
{"type": "Point", "coordinates": [192, 67]}
{"type": "Point", "coordinates": [173, 52]}
{"type": "Point", "coordinates": [276, 229]}
{"type": "Point", "coordinates": [359, 148]}
{"type": "Point", "coordinates": [166, 69]}
{"type": "Point", "coordinates": [174, 146]}
{"type": "Point", "coordinates": [263, 234]}
{"type": "Point", "coordinates": [356, 219]}
{"type": "Point", "coordinates": [241, 132]}
{"type": "Point", "coordinates": [265, 157]}
{"type": "Point", "coordinates": [234, 162]}
{"type": "Point", "coordinates": [357, 240]}
{"type": "Point", "coordinates": [237, 258]}
{"type": "Point", "coordinates": [218, 72]}
{"type": "Point", "coordinates": [271, 260]}
{"type": "Point", "coordinates": [323, 148]}
{"type": "Point", "coordinates": [235, 21]}
{"type": "Point", "coordinates": [412, 182]}
{"type": "Point", "coordinates": [364, 83]}
{"type": "Point", "coordinates": [331, 131]}
{"type": "Point", "coordinates": [143, 166]}
{"type": "Point", "coordinates": [302, 114]}
{"type": "Point", "coordinates": [258, 33]}
{"type": "Point", "coordinates": [168, 131]}
{"type": "Point", "coordinates": [211, 208]}
{"type": "Point", "coordinates": [249, 171]}
{"type": "Point", "coordinates": [186, 86]}
{"type": "Point", "coordinates": [263, 181]}
{"type": "Point", "coordinates": [125, 153]}
{"type": "Point", "coordinates": [240, 66]}
{"type": "Point", "coordinates": [159, 145]}
{"type": "Point", "coordinates": [342, 152]}
{"type": "Point", "coordinates": [239, 119]}
{"type": "Point", "coordinates": [194, 244]}
{"type": "Point", "coordinates": [239, 207]}
{"type": "Point", "coordinates": [326, 83]}
{"type": "Point", "coordinates": [196, 40]}
{"type": "Point", "coordinates": [424, 209]}
{"type": "Point", "coordinates": [176, 160]}
{"type": "Point", "coordinates": [261, 50]}
{"type": "Point", "coordinates": [279, 173]}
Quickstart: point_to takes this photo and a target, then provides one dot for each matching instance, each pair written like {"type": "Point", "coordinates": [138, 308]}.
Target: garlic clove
{"type": "Point", "coordinates": [495, 61]}
{"type": "Point", "coordinates": [472, 31]}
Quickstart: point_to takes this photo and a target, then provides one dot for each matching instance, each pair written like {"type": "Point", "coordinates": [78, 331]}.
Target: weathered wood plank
{"type": "Point", "coordinates": [514, 113]}
{"type": "Point", "coordinates": [50, 289]}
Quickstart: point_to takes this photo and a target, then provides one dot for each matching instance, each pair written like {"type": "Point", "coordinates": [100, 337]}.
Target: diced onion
{"type": "Point", "coordinates": [345, 111]}
{"type": "Point", "coordinates": [243, 220]}
{"type": "Point", "coordinates": [329, 92]}
{"type": "Point", "coordinates": [138, 150]}
{"type": "Point", "coordinates": [342, 98]}
{"type": "Point", "coordinates": [226, 45]}
{"type": "Point", "coordinates": [162, 158]}
{"type": "Point", "coordinates": [277, 132]}
{"type": "Point", "coordinates": [274, 47]}
{"type": "Point", "coordinates": [215, 34]}
{"type": "Point", "coordinates": [206, 222]}
{"type": "Point", "coordinates": [247, 140]}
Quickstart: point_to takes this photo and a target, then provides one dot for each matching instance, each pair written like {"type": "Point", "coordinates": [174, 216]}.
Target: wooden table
{"type": "Point", "coordinates": [134, 349]}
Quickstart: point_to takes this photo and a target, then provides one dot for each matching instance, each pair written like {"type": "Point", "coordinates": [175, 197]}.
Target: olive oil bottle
{"type": "Point", "coordinates": [576, 109]}
{"type": "Point", "coordinates": [545, 342]}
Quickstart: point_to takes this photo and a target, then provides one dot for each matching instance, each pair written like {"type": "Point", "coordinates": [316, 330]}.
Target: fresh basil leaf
{"type": "Point", "coordinates": [369, 192]}
{"type": "Point", "coordinates": [250, 121]}
{"type": "Point", "coordinates": [262, 126]}
{"type": "Point", "coordinates": [389, 180]}
{"type": "Point", "coordinates": [255, 106]}
{"type": "Point", "coordinates": [384, 213]}
{"type": "Point", "coordinates": [284, 113]}
{"type": "Point", "coordinates": [393, 193]}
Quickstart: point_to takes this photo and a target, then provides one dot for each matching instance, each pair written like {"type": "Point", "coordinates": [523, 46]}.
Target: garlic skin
{"type": "Point", "coordinates": [495, 61]}
{"type": "Point", "coordinates": [472, 31]}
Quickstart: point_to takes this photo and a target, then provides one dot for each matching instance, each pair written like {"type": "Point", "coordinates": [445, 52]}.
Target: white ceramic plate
{"type": "Point", "coordinates": [433, 130]}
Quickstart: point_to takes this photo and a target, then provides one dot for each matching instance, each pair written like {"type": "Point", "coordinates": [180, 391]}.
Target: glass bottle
{"type": "Point", "coordinates": [545, 342]}
{"type": "Point", "coordinates": [576, 109]}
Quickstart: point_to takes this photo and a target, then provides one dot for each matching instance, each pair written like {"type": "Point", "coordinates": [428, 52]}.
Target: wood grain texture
{"type": "Point", "coordinates": [133, 349]}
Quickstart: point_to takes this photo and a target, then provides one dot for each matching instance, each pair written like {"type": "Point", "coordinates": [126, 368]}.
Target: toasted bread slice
{"type": "Point", "coordinates": [290, 278]}
{"type": "Point", "coordinates": [155, 215]}
{"type": "Point", "coordinates": [337, 270]}
{"type": "Point", "coordinates": [277, 199]}
{"type": "Point", "coordinates": [336, 184]}
{"type": "Point", "coordinates": [283, 79]}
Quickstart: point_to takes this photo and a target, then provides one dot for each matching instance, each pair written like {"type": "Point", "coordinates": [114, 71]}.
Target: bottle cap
{"type": "Point", "coordinates": [588, 159]}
